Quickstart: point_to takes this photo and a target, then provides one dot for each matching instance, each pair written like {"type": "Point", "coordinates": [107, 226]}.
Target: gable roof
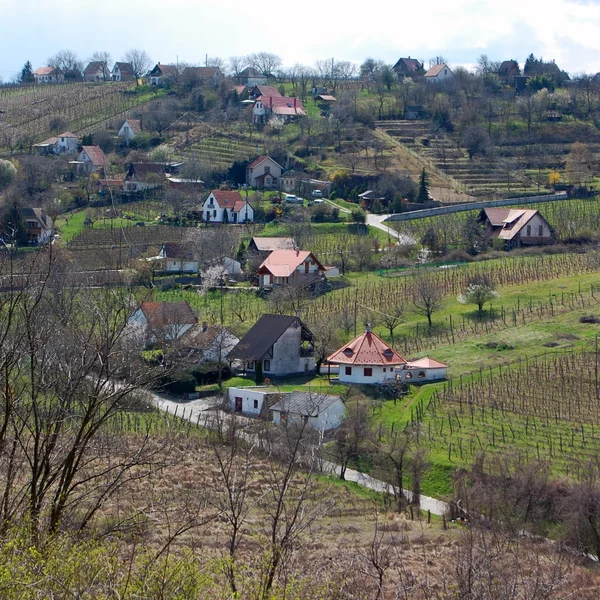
{"type": "Point", "coordinates": [265, 90]}
{"type": "Point", "coordinates": [506, 66]}
{"type": "Point", "coordinates": [410, 64]}
{"type": "Point", "coordinates": [39, 214]}
{"type": "Point", "coordinates": [426, 363]}
{"type": "Point", "coordinates": [123, 67]}
{"type": "Point", "coordinates": [268, 244]}
{"type": "Point", "coordinates": [283, 105]}
{"type": "Point", "coordinates": [508, 222]}
{"type": "Point", "coordinates": [96, 66]}
{"type": "Point", "coordinates": [436, 70]}
{"type": "Point", "coordinates": [228, 199]}
{"type": "Point", "coordinates": [306, 404]}
{"type": "Point", "coordinates": [153, 172]}
{"type": "Point", "coordinates": [282, 263]}
{"type": "Point", "coordinates": [161, 314]}
{"type": "Point", "coordinates": [251, 72]}
{"type": "Point", "coordinates": [134, 124]}
{"type": "Point", "coordinates": [164, 70]}
{"type": "Point", "coordinates": [202, 72]}
{"type": "Point", "coordinates": [366, 349]}
{"type": "Point", "coordinates": [177, 250]}
{"type": "Point", "coordinates": [52, 140]}
{"type": "Point", "coordinates": [264, 333]}
{"type": "Point", "coordinates": [47, 71]}
{"type": "Point", "coordinates": [261, 159]}
{"type": "Point", "coordinates": [95, 155]}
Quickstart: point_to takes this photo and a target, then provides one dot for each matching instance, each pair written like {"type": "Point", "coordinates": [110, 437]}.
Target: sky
{"type": "Point", "coordinates": [567, 31]}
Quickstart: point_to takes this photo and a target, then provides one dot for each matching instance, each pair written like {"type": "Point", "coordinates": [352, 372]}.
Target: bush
{"type": "Point", "coordinates": [459, 255]}
{"type": "Point", "coordinates": [358, 215]}
{"type": "Point", "coordinates": [208, 373]}
{"type": "Point", "coordinates": [589, 319]}
{"type": "Point", "coordinates": [179, 382]}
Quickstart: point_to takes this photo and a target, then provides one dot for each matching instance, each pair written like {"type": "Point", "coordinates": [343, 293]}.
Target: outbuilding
{"type": "Point", "coordinates": [319, 411]}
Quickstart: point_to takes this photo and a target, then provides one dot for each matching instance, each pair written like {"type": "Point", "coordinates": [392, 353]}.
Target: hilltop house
{"type": "Point", "coordinates": [91, 159]}
{"type": "Point", "coordinates": [517, 226]}
{"type": "Point", "coordinates": [226, 206]}
{"type": "Point", "coordinates": [251, 77]}
{"type": "Point", "coordinates": [155, 322]}
{"type": "Point", "coordinates": [63, 142]}
{"type": "Point", "coordinates": [38, 225]}
{"type": "Point", "coordinates": [319, 411]}
{"type": "Point", "coordinates": [96, 71]}
{"type": "Point", "coordinates": [279, 343]}
{"type": "Point", "coordinates": [279, 106]}
{"type": "Point", "coordinates": [263, 172]}
{"type": "Point", "coordinates": [161, 74]}
{"type": "Point", "coordinates": [48, 75]}
{"type": "Point", "coordinates": [194, 76]}
{"type": "Point", "coordinates": [142, 177]}
{"type": "Point", "coordinates": [130, 128]}
{"type": "Point", "coordinates": [408, 67]}
{"type": "Point", "coordinates": [205, 343]}
{"type": "Point", "coordinates": [177, 258]}
{"type": "Point", "coordinates": [508, 70]}
{"type": "Point", "coordinates": [284, 267]}
{"type": "Point", "coordinates": [122, 71]}
{"type": "Point", "coordinates": [439, 74]}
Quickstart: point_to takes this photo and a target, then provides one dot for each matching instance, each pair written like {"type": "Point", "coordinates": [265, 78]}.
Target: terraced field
{"type": "Point", "coordinates": [127, 237]}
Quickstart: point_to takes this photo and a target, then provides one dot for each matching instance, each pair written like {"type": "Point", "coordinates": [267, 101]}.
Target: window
{"type": "Point", "coordinates": [267, 365]}
{"type": "Point", "coordinates": [368, 372]}
{"type": "Point", "coordinates": [256, 404]}
{"type": "Point", "coordinates": [214, 213]}
{"type": "Point", "coordinates": [274, 179]}
{"type": "Point", "coordinates": [348, 370]}
{"type": "Point", "coordinates": [421, 375]}
{"type": "Point", "coordinates": [251, 366]}
{"type": "Point", "coordinates": [528, 230]}
{"type": "Point", "coordinates": [384, 369]}
{"type": "Point", "coordinates": [540, 230]}
{"type": "Point", "coordinates": [267, 170]}
{"type": "Point", "coordinates": [409, 375]}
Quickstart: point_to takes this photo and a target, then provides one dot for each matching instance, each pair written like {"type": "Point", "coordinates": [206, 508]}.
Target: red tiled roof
{"type": "Point", "coordinates": [95, 155]}
{"type": "Point", "coordinates": [426, 363]}
{"type": "Point", "coordinates": [282, 263]}
{"type": "Point", "coordinates": [366, 349]}
{"type": "Point", "coordinates": [436, 70]}
{"type": "Point", "coordinates": [283, 105]}
{"type": "Point", "coordinates": [264, 244]}
{"type": "Point", "coordinates": [135, 125]}
{"type": "Point", "coordinates": [160, 314]}
{"type": "Point", "coordinates": [46, 71]}
{"type": "Point", "coordinates": [227, 198]}
{"type": "Point", "coordinates": [267, 90]}
{"type": "Point", "coordinates": [260, 159]}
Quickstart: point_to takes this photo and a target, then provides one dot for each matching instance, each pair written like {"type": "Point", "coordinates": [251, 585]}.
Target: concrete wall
{"type": "Point", "coordinates": [252, 400]}
{"type": "Point", "coordinates": [324, 421]}
{"type": "Point", "coordinates": [286, 353]}
{"type": "Point", "coordinates": [447, 210]}
{"type": "Point", "coordinates": [412, 375]}
{"type": "Point", "coordinates": [357, 374]}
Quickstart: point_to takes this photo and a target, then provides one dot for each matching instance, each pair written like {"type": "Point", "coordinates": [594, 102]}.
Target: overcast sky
{"type": "Point", "coordinates": [461, 30]}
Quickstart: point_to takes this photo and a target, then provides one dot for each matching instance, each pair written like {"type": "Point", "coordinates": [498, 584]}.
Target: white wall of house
{"type": "Point", "coordinates": [536, 227]}
{"type": "Point", "coordinates": [233, 267]}
{"type": "Point", "coordinates": [220, 347]}
{"type": "Point", "coordinates": [252, 400]}
{"type": "Point", "coordinates": [259, 112]}
{"type": "Point", "coordinates": [327, 419]}
{"type": "Point", "coordinates": [214, 213]}
{"type": "Point", "coordinates": [139, 328]}
{"type": "Point", "coordinates": [410, 375]}
{"type": "Point", "coordinates": [87, 166]}
{"type": "Point", "coordinates": [356, 373]}
{"type": "Point", "coordinates": [181, 266]}
{"type": "Point", "coordinates": [126, 131]}
{"type": "Point", "coordinates": [444, 75]}
{"type": "Point", "coordinates": [66, 144]}
{"type": "Point", "coordinates": [266, 166]}
{"type": "Point", "coordinates": [49, 78]}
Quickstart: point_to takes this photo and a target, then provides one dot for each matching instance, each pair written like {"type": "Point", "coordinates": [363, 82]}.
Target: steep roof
{"type": "Point", "coordinates": [268, 244]}
{"type": "Point", "coordinates": [228, 199]}
{"type": "Point", "coordinates": [265, 90]}
{"type": "Point", "coordinates": [124, 67]}
{"type": "Point", "coordinates": [177, 250]}
{"type": "Point", "coordinates": [508, 222]}
{"type": "Point", "coordinates": [164, 70]}
{"type": "Point", "coordinates": [410, 64]}
{"type": "Point", "coordinates": [436, 70]}
{"type": "Point", "coordinates": [39, 214]}
{"type": "Point", "coordinates": [282, 263]}
{"type": "Point", "coordinates": [161, 314]}
{"type": "Point", "coordinates": [366, 349]}
{"type": "Point", "coordinates": [251, 72]}
{"type": "Point", "coordinates": [154, 172]}
{"type": "Point", "coordinates": [426, 363]}
{"type": "Point", "coordinates": [94, 67]}
{"type": "Point", "coordinates": [506, 66]}
{"type": "Point", "coordinates": [306, 404]}
{"type": "Point", "coordinates": [95, 155]}
{"type": "Point", "coordinates": [264, 333]}
{"type": "Point", "coordinates": [47, 71]}
{"type": "Point", "coordinates": [260, 159]}
{"type": "Point", "coordinates": [283, 105]}
{"type": "Point", "coordinates": [135, 125]}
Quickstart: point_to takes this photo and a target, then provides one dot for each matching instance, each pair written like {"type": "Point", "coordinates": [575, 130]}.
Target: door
{"type": "Point", "coordinates": [235, 215]}
{"type": "Point", "coordinates": [238, 405]}
{"type": "Point", "coordinates": [306, 267]}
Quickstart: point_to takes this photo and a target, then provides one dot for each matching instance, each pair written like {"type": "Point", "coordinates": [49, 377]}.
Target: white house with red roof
{"type": "Point", "coordinates": [91, 159]}
{"type": "Point", "coordinates": [130, 128]}
{"type": "Point", "coordinates": [227, 206]}
{"type": "Point", "coordinates": [48, 75]}
{"type": "Point", "coordinates": [156, 322]}
{"type": "Point", "coordinates": [439, 74]}
{"type": "Point", "coordinates": [264, 172]}
{"type": "Point", "coordinates": [287, 108]}
{"type": "Point", "coordinates": [283, 267]}
{"type": "Point", "coordinates": [63, 142]}
{"type": "Point", "coordinates": [368, 359]}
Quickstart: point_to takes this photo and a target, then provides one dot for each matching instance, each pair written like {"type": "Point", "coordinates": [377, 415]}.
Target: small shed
{"type": "Point", "coordinates": [423, 369]}
{"type": "Point", "coordinates": [320, 411]}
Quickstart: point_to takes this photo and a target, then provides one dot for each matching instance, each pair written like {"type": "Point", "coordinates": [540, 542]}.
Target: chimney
{"type": "Point", "coordinates": [299, 314]}
{"type": "Point", "coordinates": [270, 101]}
{"type": "Point", "coordinates": [297, 251]}
{"type": "Point", "coordinates": [204, 326]}
{"type": "Point", "coordinates": [368, 328]}
{"type": "Point", "coordinates": [294, 101]}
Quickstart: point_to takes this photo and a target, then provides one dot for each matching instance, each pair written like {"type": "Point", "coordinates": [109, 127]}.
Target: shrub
{"type": "Point", "coordinates": [208, 373]}
{"type": "Point", "coordinates": [459, 255]}
{"type": "Point", "coordinates": [358, 215]}
{"type": "Point", "coordinates": [179, 382]}
{"type": "Point", "coordinates": [589, 319]}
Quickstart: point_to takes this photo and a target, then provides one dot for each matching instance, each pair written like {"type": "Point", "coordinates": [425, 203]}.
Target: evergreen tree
{"type": "Point", "coordinates": [423, 194]}
{"type": "Point", "coordinates": [13, 229]}
{"type": "Point", "coordinates": [87, 140]}
{"type": "Point", "coordinates": [27, 73]}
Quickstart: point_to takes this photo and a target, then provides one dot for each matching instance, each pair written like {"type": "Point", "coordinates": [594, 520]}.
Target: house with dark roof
{"type": "Point", "coordinates": [268, 244]}
{"type": "Point", "coordinates": [319, 411]}
{"type": "Point", "coordinates": [227, 206]}
{"type": "Point", "coordinates": [264, 172]}
{"type": "Point", "coordinates": [156, 322]}
{"type": "Point", "coordinates": [204, 343]}
{"type": "Point", "coordinates": [408, 67]}
{"type": "Point", "coordinates": [508, 70]}
{"type": "Point", "coordinates": [281, 344]}
{"type": "Point", "coordinates": [178, 257]}
{"type": "Point", "coordinates": [290, 267]}
{"type": "Point", "coordinates": [263, 90]}
{"type": "Point", "coordinates": [97, 70]}
{"type": "Point", "coordinates": [48, 75]}
{"type": "Point", "coordinates": [439, 74]}
{"type": "Point", "coordinates": [251, 77]}
{"type": "Point", "coordinates": [38, 225]}
{"type": "Point", "coordinates": [278, 106]}
{"type": "Point", "coordinates": [517, 226]}
{"type": "Point", "coordinates": [63, 142]}
{"type": "Point", "coordinates": [122, 71]}
{"type": "Point", "coordinates": [194, 76]}
{"type": "Point", "coordinates": [130, 128]}
{"type": "Point", "coordinates": [161, 74]}
{"type": "Point", "coordinates": [91, 159]}
{"type": "Point", "coordinates": [142, 177]}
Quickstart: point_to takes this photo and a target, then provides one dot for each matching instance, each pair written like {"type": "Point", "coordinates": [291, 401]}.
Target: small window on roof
{"type": "Point", "coordinates": [349, 351]}
{"type": "Point", "coordinates": [289, 105]}
{"type": "Point", "coordinates": [388, 352]}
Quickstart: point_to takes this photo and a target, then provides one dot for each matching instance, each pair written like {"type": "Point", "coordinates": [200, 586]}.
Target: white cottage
{"type": "Point", "coordinates": [130, 129]}
{"type": "Point", "coordinates": [319, 411]}
{"type": "Point", "coordinates": [178, 258]}
{"type": "Point", "coordinates": [122, 71]}
{"type": "Point", "coordinates": [422, 370]}
{"type": "Point", "coordinates": [439, 74]}
{"type": "Point", "coordinates": [283, 267]}
{"type": "Point", "coordinates": [161, 321]}
{"type": "Point", "coordinates": [264, 172]}
{"type": "Point", "coordinates": [63, 142]}
{"type": "Point", "coordinates": [227, 206]}
{"type": "Point", "coordinates": [48, 75]}
{"type": "Point", "coordinates": [252, 401]}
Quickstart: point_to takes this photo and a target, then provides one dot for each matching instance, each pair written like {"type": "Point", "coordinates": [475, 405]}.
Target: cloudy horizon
{"type": "Point", "coordinates": [188, 30]}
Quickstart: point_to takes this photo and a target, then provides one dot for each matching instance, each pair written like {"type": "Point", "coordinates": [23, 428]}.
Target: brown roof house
{"type": "Point", "coordinates": [517, 226]}
{"type": "Point", "coordinates": [263, 90]}
{"type": "Point", "coordinates": [509, 69]}
{"type": "Point", "coordinates": [122, 71]}
{"type": "Point", "coordinates": [162, 74]}
{"type": "Point", "coordinates": [156, 322]}
{"type": "Point", "coordinates": [284, 267]}
{"type": "Point", "coordinates": [91, 159]}
{"type": "Point", "coordinates": [97, 70]}
{"type": "Point", "coordinates": [38, 225]}
{"type": "Point", "coordinates": [278, 345]}
{"type": "Point", "coordinates": [178, 257]}
{"type": "Point", "coordinates": [205, 343]}
{"type": "Point", "coordinates": [408, 67]}
{"type": "Point", "coordinates": [142, 177]}
{"type": "Point", "coordinates": [268, 244]}
{"type": "Point", "coordinates": [266, 107]}
{"type": "Point", "coordinates": [439, 74]}
{"type": "Point", "coordinates": [194, 76]}
{"type": "Point", "coordinates": [227, 206]}
{"type": "Point", "coordinates": [130, 128]}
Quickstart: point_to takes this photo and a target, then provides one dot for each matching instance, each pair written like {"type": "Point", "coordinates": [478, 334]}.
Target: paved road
{"type": "Point", "coordinates": [202, 411]}
{"type": "Point", "coordinates": [378, 222]}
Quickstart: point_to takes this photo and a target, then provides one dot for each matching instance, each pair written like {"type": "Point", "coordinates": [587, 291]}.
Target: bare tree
{"type": "Point", "coordinates": [427, 298]}
{"type": "Point", "coordinates": [69, 63]}
{"type": "Point", "coordinates": [352, 436]}
{"type": "Point", "coordinates": [265, 62]}
{"type": "Point", "coordinates": [104, 58]}
{"type": "Point", "coordinates": [236, 65]}
{"type": "Point", "coordinates": [139, 60]}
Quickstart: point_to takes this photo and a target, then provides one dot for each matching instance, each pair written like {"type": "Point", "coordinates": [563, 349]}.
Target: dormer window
{"type": "Point", "coordinates": [388, 353]}
{"type": "Point", "coordinates": [348, 352]}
